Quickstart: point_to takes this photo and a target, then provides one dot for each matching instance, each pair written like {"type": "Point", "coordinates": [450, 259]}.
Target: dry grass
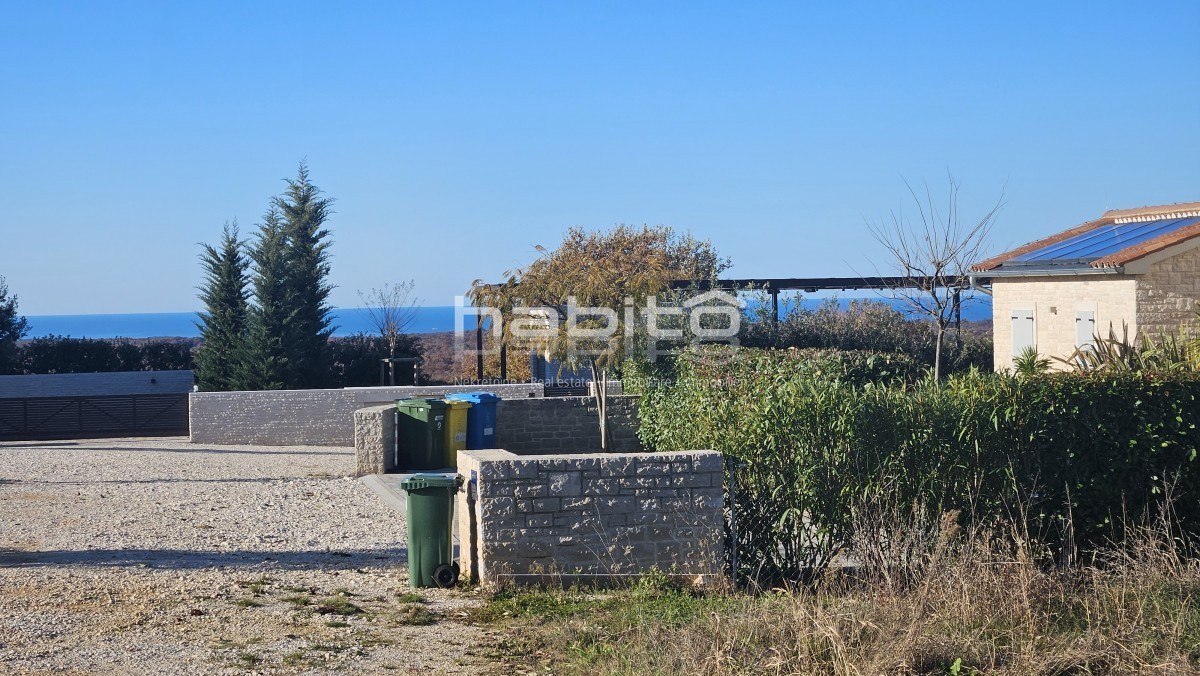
{"type": "Point", "coordinates": [975, 603]}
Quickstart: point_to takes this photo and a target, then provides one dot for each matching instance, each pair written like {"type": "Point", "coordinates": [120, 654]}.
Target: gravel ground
{"type": "Point", "coordinates": [158, 556]}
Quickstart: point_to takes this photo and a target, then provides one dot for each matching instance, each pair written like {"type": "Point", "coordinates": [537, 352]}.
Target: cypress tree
{"type": "Point", "coordinates": [269, 362]}
{"type": "Point", "coordinates": [223, 324]}
{"type": "Point", "coordinates": [307, 276]}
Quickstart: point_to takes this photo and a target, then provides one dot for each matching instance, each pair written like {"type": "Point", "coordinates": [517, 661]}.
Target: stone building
{"type": "Point", "coordinates": [1133, 269]}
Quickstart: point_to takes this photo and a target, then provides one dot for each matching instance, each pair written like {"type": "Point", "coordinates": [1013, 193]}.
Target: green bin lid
{"type": "Point", "coordinates": [419, 481]}
{"type": "Point", "coordinates": [421, 403]}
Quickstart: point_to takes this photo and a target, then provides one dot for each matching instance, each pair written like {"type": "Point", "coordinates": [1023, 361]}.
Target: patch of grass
{"type": "Point", "coordinates": [295, 658]}
{"type": "Point", "coordinates": [337, 624]}
{"type": "Point", "coordinates": [540, 604]}
{"type": "Point", "coordinates": [256, 587]}
{"type": "Point", "coordinates": [652, 599]}
{"type": "Point", "coordinates": [983, 604]}
{"type": "Point", "coordinates": [338, 605]}
{"type": "Point", "coordinates": [409, 597]}
{"type": "Point", "coordinates": [298, 601]}
{"type": "Point", "coordinates": [247, 659]}
{"type": "Point", "coordinates": [247, 602]}
{"type": "Point", "coordinates": [414, 616]}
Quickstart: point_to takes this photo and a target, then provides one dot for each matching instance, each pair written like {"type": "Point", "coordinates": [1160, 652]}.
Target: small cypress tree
{"type": "Point", "coordinates": [223, 324]}
{"type": "Point", "coordinates": [268, 362]}
{"type": "Point", "coordinates": [12, 328]}
{"type": "Point", "coordinates": [307, 276]}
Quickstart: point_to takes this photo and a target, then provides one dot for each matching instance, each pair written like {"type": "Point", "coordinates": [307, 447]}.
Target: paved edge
{"type": "Point", "coordinates": [393, 499]}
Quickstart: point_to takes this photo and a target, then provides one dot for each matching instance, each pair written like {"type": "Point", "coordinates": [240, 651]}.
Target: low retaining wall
{"type": "Point", "coordinates": [523, 427]}
{"type": "Point", "coordinates": [590, 517]}
{"type": "Point", "coordinates": [311, 417]}
{"type": "Point", "coordinates": [566, 424]}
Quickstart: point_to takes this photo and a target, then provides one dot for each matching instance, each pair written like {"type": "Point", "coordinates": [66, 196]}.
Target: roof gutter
{"type": "Point", "coordinates": [973, 282]}
{"type": "Point", "coordinates": [1044, 272]}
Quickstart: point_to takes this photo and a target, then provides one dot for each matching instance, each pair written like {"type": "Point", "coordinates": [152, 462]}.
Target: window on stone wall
{"type": "Point", "coordinates": [1085, 328]}
{"type": "Point", "coordinates": [1023, 335]}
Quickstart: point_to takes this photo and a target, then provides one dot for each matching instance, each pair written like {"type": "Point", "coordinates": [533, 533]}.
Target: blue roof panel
{"type": "Point", "coordinates": [1104, 240]}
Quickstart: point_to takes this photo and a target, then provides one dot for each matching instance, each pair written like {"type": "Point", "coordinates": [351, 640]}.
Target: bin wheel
{"type": "Point", "coordinates": [445, 576]}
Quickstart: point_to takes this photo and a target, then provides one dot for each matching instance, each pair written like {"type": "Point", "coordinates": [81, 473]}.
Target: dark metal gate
{"type": "Point", "coordinates": [128, 415]}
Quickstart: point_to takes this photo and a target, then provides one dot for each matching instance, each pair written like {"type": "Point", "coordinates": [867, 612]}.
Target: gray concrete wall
{"type": "Point", "coordinates": [95, 384]}
{"type": "Point", "coordinates": [523, 426]}
{"type": "Point", "coordinates": [590, 516]}
{"type": "Point", "coordinates": [566, 425]}
{"type": "Point", "coordinates": [313, 417]}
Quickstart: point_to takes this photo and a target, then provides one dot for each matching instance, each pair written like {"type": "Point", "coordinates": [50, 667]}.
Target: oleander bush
{"type": "Point", "coordinates": [1076, 459]}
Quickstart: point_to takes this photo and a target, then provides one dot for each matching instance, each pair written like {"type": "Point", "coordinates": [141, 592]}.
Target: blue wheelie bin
{"type": "Point", "coordinates": [481, 419]}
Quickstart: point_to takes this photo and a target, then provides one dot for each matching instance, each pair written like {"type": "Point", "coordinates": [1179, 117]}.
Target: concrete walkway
{"type": "Point", "coordinates": [387, 487]}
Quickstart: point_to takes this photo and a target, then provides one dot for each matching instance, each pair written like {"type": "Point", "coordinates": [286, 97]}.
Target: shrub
{"type": "Point", "coordinates": [356, 359]}
{"type": "Point", "coordinates": [865, 325]}
{"type": "Point", "coordinates": [1073, 457]}
{"type": "Point", "coordinates": [62, 354]}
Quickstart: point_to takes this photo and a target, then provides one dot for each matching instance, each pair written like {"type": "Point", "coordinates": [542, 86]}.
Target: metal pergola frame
{"type": "Point", "coordinates": [772, 285]}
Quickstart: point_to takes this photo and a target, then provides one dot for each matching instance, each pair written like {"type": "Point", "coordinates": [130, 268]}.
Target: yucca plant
{"type": "Point", "coordinates": [1125, 354]}
{"type": "Point", "coordinates": [1113, 354]}
{"type": "Point", "coordinates": [1030, 363]}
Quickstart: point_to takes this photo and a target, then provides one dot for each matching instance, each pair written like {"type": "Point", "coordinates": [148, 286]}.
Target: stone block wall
{"type": "Point", "coordinates": [590, 516]}
{"type": "Point", "coordinates": [310, 417]}
{"type": "Point", "coordinates": [374, 439]}
{"type": "Point", "coordinates": [1168, 295]}
{"type": "Point", "coordinates": [565, 425]}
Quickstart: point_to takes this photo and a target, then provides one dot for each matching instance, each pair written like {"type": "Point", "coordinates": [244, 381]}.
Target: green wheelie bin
{"type": "Point", "coordinates": [420, 434]}
{"type": "Point", "coordinates": [430, 529]}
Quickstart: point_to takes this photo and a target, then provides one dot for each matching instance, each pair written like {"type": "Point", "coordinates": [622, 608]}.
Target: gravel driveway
{"type": "Point", "coordinates": [159, 556]}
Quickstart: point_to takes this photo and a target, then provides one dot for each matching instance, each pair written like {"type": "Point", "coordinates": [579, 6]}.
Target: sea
{"type": "Point", "coordinates": [348, 321]}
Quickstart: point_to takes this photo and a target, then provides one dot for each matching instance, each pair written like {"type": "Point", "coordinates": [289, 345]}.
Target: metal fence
{"type": "Point", "coordinates": [769, 539]}
{"type": "Point", "coordinates": [35, 418]}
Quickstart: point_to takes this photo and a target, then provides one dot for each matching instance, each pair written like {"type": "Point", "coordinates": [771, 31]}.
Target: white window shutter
{"type": "Point", "coordinates": [1085, 328]}
{"type": "Point", "coordinates": [1022, 331]}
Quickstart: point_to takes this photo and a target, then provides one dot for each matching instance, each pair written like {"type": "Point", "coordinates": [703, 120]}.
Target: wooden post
{"type": "Point", "coordinates": [479, 348]}
{"type": "Point", "coordinates": [503, 353]}
{"type": "Point", "coordinates": [775, 306]}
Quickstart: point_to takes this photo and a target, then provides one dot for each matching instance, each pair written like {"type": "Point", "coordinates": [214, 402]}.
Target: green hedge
{"type": "Point", "coordinates": [1091, 451]}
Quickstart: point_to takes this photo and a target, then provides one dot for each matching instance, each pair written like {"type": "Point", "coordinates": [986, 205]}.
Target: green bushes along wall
{"type": "Point", "coordinates": [828, 437]}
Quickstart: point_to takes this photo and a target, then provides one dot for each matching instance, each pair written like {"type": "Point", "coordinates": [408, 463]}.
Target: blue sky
{"type": "Point", "coordinates": [456, 136]}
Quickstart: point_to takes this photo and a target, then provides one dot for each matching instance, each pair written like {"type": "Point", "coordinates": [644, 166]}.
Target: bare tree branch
{"type": "Point", "coordinates": [391, 311]}
{"type": "Point", "coordinates": [933, 249]}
